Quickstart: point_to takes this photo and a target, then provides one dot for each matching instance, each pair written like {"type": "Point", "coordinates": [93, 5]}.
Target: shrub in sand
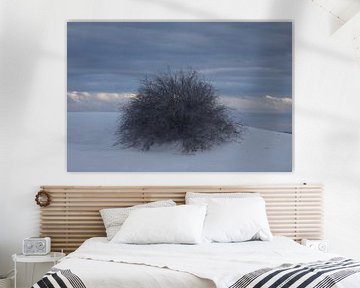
{"type": "Point", "coordinates": [175, 107]}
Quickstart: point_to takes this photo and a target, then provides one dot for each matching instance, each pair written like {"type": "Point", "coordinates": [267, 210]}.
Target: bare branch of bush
{"type": "Point", "coordinates": [175, 107]}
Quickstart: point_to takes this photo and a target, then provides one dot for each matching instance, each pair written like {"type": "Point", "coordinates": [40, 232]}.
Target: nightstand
{"type": "Point", "coordinates": [320, 245]}
{"type": "Point", "coordinates": [53, 257]}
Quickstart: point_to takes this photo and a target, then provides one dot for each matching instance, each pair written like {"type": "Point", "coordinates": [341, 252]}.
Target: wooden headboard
{"type": "Point", "coordinates": [73, 215]}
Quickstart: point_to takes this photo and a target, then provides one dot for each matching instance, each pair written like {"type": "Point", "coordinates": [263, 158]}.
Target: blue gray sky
{"type": "Point", "coordinates": [249, 63]}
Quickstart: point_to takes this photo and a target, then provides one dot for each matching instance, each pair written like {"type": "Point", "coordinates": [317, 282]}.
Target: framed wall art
{"type": "Point", "coordinates": [179, 96]}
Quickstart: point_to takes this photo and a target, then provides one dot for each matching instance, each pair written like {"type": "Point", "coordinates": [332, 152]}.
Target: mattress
{"type": "Point", "coordinates": [99, 263]}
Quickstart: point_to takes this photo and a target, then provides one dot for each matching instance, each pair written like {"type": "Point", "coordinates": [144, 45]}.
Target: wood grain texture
{"type": "Point", "coordinates": [73, 216]}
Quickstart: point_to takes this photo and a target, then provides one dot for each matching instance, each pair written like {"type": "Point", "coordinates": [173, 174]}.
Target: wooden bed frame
{"type": "Point", "coordinates": [73, 214]}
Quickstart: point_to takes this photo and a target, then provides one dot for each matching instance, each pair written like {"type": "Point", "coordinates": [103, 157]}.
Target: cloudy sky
{"type": "Point", "coordinates": [249, 63]}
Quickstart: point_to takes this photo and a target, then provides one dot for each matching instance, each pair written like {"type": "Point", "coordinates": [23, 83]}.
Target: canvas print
{"type": "Point", "coordinates": [179, 96]}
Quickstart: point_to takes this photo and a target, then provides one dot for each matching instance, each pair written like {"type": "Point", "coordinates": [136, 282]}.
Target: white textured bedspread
{"type": "Point", "coordinates": [102, 264]}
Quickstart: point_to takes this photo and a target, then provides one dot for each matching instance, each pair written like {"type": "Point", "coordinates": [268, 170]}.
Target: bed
{"type": "Point", "coordinates": [99, 263]}
{"type": "Point", "coordinates": [294, 211]}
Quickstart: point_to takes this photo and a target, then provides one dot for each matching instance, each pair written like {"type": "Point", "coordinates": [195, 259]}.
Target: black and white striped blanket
{"type": "Point", "coordinates": [57, 278]}
{"type": "Point", "coordinates": [320, 274]}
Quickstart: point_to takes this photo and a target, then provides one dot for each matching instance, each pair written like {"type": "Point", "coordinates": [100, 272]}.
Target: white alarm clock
{"type": "Point", "coordinates": [36, 246]}
{"type": "Point", "coordinates": [320, 245]}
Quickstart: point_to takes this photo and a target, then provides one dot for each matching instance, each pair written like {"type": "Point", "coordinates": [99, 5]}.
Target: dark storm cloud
{"type": "Point", "coordinates": [252, 59]}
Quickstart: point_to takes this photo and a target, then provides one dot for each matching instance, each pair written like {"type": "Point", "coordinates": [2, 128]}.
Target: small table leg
{"type": "Point", "coordinates": [15, 273]}
{"type": "Point", "coordinates": [32, 274]}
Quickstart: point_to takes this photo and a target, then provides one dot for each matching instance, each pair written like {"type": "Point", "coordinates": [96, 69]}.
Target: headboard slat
{"type": "Point", "coordinates": [73, 216]}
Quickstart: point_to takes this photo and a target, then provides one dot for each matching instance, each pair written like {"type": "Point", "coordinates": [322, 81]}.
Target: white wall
{"type": "Point", "coordinates": [33, 109]}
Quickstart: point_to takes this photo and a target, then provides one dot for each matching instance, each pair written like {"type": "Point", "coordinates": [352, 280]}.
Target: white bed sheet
{"type": "Point", "coordinates": [100, 263]}
{"type": "Point", "coordinates": [101, 274]}
{"type": "Point", "coordinates": [106, 274]}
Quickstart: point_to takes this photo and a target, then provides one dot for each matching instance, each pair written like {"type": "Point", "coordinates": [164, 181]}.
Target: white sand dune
{"type": "Point", "coordinates": [91, 135]}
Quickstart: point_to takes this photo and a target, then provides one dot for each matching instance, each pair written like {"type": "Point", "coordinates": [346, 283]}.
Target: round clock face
{"type": "Point", "coordinates": [29, 245]}
{"type": "Point", "coordinates": [322, 247]}
{"type": "Point", "coordinates": [40, 245]}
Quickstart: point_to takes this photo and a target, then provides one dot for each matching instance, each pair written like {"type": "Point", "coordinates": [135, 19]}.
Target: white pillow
{"type": "Point", "coordinates": [180, 224]}
{"type": "Point", "coordinates": [204, 198]}
{"type": "Point", "coordinates": [113, 218]}
{"type": "Point", "coordinates": [236, 220]}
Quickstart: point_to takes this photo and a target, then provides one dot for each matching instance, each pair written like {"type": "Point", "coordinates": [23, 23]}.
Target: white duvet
{"type": "Point", "coordinates": [100, 263]}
